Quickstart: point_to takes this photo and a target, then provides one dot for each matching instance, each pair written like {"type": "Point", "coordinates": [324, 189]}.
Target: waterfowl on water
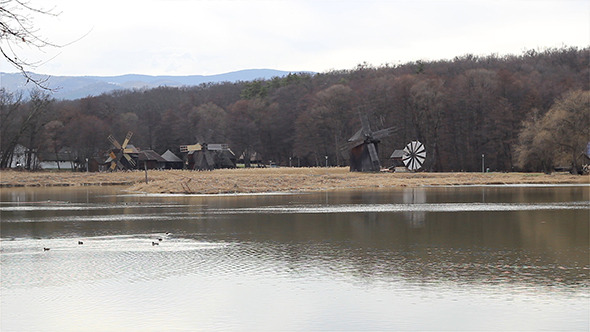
{"type": "Point", "coordinates": [80, 242]}
{"type": "Point", "coordinates": [155, 243]}
{"type": "Point", "coordinates": [45, 249]}
{"type": "Point", "coordinates": [159, 239]}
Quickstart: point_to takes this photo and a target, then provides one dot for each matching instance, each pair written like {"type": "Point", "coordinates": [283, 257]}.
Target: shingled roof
{"type": "Point", "coordinates": [170, 157]}
{"type": "Point", "coordinates": [150, 155]}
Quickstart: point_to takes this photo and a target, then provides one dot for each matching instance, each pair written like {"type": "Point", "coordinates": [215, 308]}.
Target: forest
{"type": "Point", "coordinates": [460, 109]}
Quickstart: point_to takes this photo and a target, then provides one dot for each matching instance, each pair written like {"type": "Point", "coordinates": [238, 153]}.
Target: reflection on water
{"type": "Point", "coordinates": [408, 259]}
{"type": "Point", "coordinates": [415, 196]}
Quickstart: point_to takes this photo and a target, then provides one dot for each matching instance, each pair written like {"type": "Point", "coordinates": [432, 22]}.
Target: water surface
{"type": "Point", "coordinates": [457, 258]}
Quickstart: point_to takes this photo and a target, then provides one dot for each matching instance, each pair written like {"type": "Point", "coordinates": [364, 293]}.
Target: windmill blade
{"type": "Point", "coordinates": [358, 136]}
{"type": "Point", "coordinates": [130, 160]}
{"type": "Point", "coordinates": [120, 165]}
{"type": "Point", "coordinates": [127, 138]}
{"type": "Point", "coordinates": [385, 132]}
{"type": "Point", "coordinates": [193, 147]}
{"type": "Point", "coordinates": [366, 129]}
{"type": "Point", "coordinates": [374, 157]}
{"type": "Point", "coordinates": [114, 142]}
{"type": "Point", "coordinates": [351, 145]}
{"type": "Point", "coordinates": [217, 147]}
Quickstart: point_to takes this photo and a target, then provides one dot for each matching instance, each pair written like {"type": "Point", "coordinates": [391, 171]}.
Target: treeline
{"type": "Point", "coordinates": [460, 109]}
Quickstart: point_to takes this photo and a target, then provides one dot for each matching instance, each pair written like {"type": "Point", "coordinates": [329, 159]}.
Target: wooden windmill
{"type": "Point", "coordinates": [203, 156]}
{"type": "Point", "coordinates": [363, 146]}
{"type": "Point", "coordinates": [122, 156]}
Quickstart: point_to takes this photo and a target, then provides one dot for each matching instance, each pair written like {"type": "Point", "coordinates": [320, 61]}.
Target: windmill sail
{"type": "Point", "coordinates": [414, 155]}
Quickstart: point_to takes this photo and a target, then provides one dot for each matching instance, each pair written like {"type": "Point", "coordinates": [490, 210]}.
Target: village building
{"type": "Point", "coordinates": [149, 159]}
{"type": "Point", "coordinates": [171, 160]}
{"type": "Point", "coordinates": [64, 159]}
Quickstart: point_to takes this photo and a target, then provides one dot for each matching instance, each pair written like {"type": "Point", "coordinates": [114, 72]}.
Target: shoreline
{"type": "Point", "coordinates": [271, 180]}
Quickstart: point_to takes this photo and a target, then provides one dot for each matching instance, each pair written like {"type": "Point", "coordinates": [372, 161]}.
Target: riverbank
{"type": "Point", "coordinates": [255, 180]}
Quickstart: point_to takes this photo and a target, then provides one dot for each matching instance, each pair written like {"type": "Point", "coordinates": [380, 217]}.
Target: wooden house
{"type": "Point", "coordinates": [171, 160]}
{"type": "Point", "coordinates": [150, 159]}
{"type": "Point", "coordinates": [64, 159]}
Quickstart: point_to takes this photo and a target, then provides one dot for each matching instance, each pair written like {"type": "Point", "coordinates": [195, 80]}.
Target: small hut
{"type": "Point", "coordinates": [150, 159]}
{"type": "Point", "coordinates": [397, 161]}
{"type": "Point", "coordinates": [171, 160]}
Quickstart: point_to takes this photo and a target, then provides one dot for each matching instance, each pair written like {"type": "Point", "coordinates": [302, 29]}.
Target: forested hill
{"type": "Point", "coordinates": [75, 87]}
{"type": "Point", "coordinates": [460, 109]}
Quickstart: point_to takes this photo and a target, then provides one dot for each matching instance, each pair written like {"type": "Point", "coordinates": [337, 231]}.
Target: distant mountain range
{"type": "Point", "coordinates": [74, 87]}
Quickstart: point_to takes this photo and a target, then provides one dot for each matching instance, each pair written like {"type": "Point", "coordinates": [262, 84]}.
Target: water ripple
{"type": "Point", "coordinates": [444, 207]}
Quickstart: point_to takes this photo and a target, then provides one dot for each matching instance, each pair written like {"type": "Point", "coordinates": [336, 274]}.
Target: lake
{"type": "Point", "coordinates": [440, 258]}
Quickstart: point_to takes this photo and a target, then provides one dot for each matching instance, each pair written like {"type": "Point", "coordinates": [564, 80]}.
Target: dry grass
{"type": "Point", "coordinates": [272, 180]}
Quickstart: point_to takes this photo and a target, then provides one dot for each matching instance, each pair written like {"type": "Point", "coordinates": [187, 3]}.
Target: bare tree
{"type": "Point", "coordinates": [17, 29]}
{"type": "Point", "coordinates": [560, 136]}
{"type": "Point", "coordinates": [26, 121]}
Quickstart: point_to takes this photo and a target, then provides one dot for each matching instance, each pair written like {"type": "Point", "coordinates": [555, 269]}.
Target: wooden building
{"type": "Point", "coordinates": [171, 160]}
{"type": "Point", "coordinates": [150, 159]}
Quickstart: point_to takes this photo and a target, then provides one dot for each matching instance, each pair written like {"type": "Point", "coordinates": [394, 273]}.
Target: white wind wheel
{"type": "Point", "coordinates": [414, 155]}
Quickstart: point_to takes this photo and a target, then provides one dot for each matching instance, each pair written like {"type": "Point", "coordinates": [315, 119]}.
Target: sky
{"type": "Point", "coordinates": [206, 37]}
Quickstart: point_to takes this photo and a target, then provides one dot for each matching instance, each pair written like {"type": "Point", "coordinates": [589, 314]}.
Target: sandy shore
{"type": "Point", "coordinates": [272, 180]}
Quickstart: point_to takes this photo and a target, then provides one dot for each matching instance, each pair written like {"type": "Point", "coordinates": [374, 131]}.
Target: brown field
{"type": "Point", "coordinates": [255, 180]}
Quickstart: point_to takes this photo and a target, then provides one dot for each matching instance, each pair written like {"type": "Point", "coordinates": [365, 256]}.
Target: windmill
{"type": "Point", "coordinates": [363, 147]}
{"type": "Point", "coordinates": [122, 155]}
{"type": "Point", "coordinates": [414, 155]}
{"type": "Point", "coordinates": [203, 156]}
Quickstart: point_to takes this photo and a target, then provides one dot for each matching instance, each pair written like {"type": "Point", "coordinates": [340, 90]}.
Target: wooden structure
{"type": "Point", "coordinates": [63, 159]}
{"type": "Point", "coordinates": [122, 156]}
{"type": "Point", "coordinates": [203, 156]}
{"type": "Point", "coordinates": [363, 146]}
{"type": "Point", "coordinates": [397, 162]}
{"type": "Point", "coordinates": [411, 158]}
{"type": "Point", "coordinates": [149, 159]}
{"type": "Point", "coordinates": [172, 161]}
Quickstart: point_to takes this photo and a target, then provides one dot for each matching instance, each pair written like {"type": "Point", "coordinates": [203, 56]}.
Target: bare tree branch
{"type": "Point", "coordinates": [17, 29]}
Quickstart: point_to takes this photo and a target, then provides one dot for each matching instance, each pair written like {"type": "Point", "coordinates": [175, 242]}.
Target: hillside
{"type": "Point", "coordinates": [75, 87]}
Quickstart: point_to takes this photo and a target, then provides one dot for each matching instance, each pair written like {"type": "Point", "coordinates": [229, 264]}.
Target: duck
{"type": "Point", "coordinates": [45, 249]}
{"type": "Point", "coordinates": [80, 242]}
{"type": "Point", "coordinates": [155, 243]}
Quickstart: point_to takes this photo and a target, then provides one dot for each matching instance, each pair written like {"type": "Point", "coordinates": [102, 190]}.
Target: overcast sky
{"type": "Point", "coordinates": [187, 37]}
